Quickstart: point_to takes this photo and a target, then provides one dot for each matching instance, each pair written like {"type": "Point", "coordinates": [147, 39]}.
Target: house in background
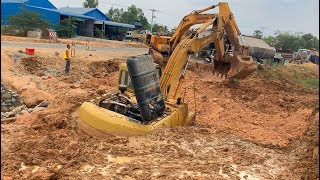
{"type": "Point", "coordinates": [100, 21]}
{"type": "Point", "coordinates": [88, 19]}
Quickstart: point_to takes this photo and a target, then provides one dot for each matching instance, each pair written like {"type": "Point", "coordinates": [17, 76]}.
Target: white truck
{"type": "Point", "coordinates": [136, 36]}
{"type": "Point", "coordinates": [301, 56]}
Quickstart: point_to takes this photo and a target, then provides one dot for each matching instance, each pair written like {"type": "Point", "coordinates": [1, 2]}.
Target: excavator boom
{"type": "Point", "coordinates": [232, 61]}
{"type": "Point", "coordinates": [165, 45]}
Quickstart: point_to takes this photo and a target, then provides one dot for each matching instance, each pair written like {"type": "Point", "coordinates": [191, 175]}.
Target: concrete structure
{"type": "Point", "coordinates": [87, 18]}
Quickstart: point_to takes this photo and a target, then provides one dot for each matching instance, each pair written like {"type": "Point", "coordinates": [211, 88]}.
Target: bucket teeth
{"type": "Point", "coordinates": [240, 67]}
{"type": "Point", "coordinates": [221, 69]}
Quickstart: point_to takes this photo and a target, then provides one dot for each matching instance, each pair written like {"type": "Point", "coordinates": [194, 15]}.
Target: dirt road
{"type": "Point", "coordinates": [263, 127]}
{"type": "Point", "coordinates": [78, 47]}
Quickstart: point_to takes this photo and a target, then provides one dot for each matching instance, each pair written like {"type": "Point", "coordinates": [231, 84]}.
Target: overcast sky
{"type": "Point", "coordinates": [282, 15]}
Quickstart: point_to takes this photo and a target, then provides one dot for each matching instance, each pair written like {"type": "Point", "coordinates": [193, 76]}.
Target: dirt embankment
{"type": "Point", "coordinates": [77, 42]}
{"type": "Point", "coordinates": [251, 128]}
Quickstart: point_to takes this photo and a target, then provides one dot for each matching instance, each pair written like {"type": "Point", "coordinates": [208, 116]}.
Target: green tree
{"type": "Point", "coordinates": [160, 28]}
{"type": "Point", "coordinates": [27, 20]}
{"type": "Point", "coordinates": [257, 34]}
{"type": "Point", "coordinates": [98, 33]}
{"type": "Point", "coordinates": [311, 41]}
{"type": "Point", "coordinates": [293, 41]}
{"type": "Point", "coordinates": [90, 3]}
{"type": "Point", "coordinates": [67, 27]}
{"type": "Point", "coordinates": [132, 14]}
{"type": "Point", "coordinates": [115, 14]}
{"type": "Point", "coordinates": [271, 40]}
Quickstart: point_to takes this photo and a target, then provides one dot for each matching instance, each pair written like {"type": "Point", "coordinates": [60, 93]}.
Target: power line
{"type": "Point", "coordinates": [121, 5]}
{"type": "Point", "coordinates": [152, 16]}
{"type": "Point", "coordinates": [152, 11]}
{"type": "Point", "coordinates": [262, 28]}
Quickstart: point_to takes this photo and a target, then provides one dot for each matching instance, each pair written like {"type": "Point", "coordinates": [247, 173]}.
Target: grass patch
{"type": "Point", "coordinates": [309, 83]}
{"type": "Point", "coordinates": [306, 75]}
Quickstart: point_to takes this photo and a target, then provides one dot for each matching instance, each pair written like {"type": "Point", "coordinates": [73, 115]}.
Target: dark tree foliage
{"type": "Point", "coordinates": [90, 3]}
{"type": "Point", "coordinates": [131, 15]}
{"type": "Point", "coordinates": [292, 41]}
{"type": "Point", "coordinates": [67, 27]}
{"type": "Point", "coordinates": [27, 20]}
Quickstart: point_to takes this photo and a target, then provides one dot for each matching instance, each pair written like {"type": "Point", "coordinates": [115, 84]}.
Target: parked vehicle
{"type": "Point", "coordinates": [302, 56]}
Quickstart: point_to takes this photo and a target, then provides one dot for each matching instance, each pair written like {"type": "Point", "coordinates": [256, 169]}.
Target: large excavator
{"type": "Point", "coordinates": [162, 46]}
{"type": "Point", "coordinates": [146, 100]}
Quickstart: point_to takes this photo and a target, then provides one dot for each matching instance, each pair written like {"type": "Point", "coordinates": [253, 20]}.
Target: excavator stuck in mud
{"type": "Point", "coordinates": [146, 99]}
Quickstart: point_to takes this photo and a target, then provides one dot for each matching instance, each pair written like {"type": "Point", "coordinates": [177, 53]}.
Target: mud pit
{"type": "Point", "coordinates": [257, 128]}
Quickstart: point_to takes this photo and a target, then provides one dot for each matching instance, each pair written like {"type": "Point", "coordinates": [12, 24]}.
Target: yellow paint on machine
{"type": "Point", "coordinates": [113, 123]}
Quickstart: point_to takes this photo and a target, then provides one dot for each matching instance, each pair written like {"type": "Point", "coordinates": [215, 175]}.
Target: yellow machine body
{"type": "Point", "coordinates": [98, 121]}
{"type": "Point", "coordinates": [160, 43]}
{"type": "Point", "coordinates": [94, 118]}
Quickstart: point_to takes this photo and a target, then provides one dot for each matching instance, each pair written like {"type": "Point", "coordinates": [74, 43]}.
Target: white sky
{"type": "Point", "coordinates": [283, 15]}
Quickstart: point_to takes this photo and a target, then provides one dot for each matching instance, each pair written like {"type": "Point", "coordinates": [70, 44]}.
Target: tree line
{"type": "Point", "coordinates": [132, 15]}
{"type": "Point", "coordinates": [292, 41]}
{"type": "Point", "coordinates": [28, 20]}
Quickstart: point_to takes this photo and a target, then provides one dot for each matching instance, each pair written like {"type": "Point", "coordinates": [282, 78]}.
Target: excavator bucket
{"type": "Point", "coordinates": [239, 67]}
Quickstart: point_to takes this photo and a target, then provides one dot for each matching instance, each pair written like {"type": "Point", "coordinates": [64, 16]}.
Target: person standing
{"type": "Point", "coordinates": [67, 57]}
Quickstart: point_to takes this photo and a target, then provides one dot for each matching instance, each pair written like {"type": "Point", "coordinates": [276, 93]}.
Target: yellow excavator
{"type": "Point", "coordinates": [162, 46]}
{"type": "Point", "coordinates": [146, 99]}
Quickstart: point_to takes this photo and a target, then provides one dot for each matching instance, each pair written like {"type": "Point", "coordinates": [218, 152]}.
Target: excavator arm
{"type": "Point", "coordinates": [163, 44]}
{"type": "Point", "coordinates": [230, 61]}
{"type": "Point", "coordinates": [233, 62]}
{"type": "Point", "coordinates": [186, 23]}
{"type": "Point", "coordinates": [173, 76]}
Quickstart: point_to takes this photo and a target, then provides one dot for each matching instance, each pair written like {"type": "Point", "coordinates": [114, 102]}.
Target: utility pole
{"type": "Point", "coordinates": [262, 28]}
{"type": "Point", "coordinates": [153, 16]}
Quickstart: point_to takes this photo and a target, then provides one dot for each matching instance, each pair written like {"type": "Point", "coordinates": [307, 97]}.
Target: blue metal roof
{"type": "Point", "coordinates": [13, 1]}
{"type": "Point", "coordinates": [75, 15]}
{"type": "Point", "coordinates": [63, 13]}
{"type": "Point", "coordinates": [53, 14]}
{"type": "Point", "coordinates": [119, 24]}
{"type": "Point", "coordinates": [40, 3]}
{"type": "Point", "coordinates": [76, 10]}
{"type": "Point", "coordinates": [93, 12]}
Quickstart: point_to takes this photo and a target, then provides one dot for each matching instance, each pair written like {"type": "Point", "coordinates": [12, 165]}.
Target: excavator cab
{"type": "Point", "coordinates": [145, 75]}
{"type": "Point", "coordinates": [136, 106]}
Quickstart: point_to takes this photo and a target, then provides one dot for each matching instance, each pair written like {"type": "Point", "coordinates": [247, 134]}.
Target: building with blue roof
{"type": "Point", "coordinates": [93, 12]}
{"type": "Point", "coordinates": [88, 19]}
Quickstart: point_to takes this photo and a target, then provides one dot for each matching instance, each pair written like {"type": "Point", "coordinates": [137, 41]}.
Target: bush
{"type": "Point", "coordinates": [97, 33]}
{"type": "Point", "coordinates": [11, 30]}
{"type": "Point", "coordinates": [28, 21]}
{"type": "Point", "coordinates": [67, 28]}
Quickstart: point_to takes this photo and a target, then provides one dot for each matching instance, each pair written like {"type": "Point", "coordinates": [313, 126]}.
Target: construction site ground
{"type": "Point", "coordinates": [262, 127]}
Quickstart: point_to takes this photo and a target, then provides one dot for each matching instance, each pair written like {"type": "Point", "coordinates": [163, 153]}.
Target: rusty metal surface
{"type": "Point", "coordinates": [258, 48]}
